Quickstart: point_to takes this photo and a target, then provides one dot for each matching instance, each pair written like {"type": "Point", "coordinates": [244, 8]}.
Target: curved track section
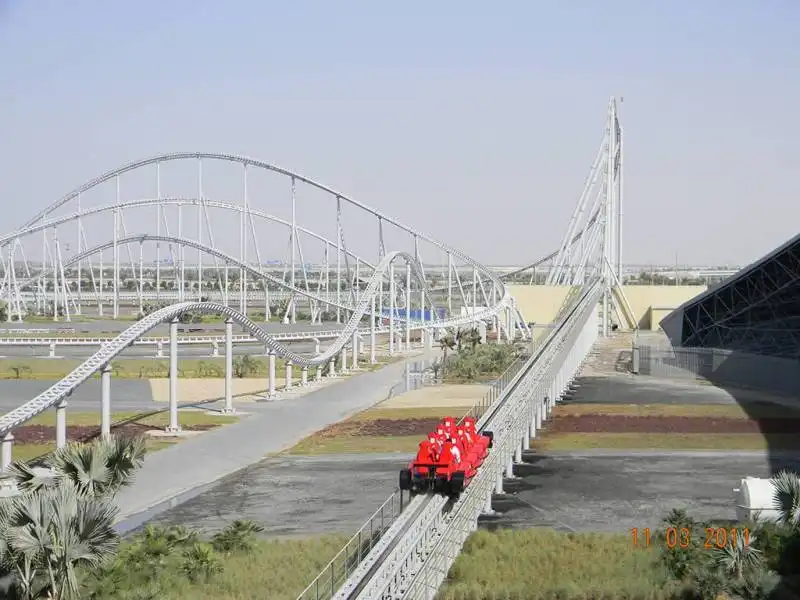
{"type": "Point", "coordinates": [79, 250]}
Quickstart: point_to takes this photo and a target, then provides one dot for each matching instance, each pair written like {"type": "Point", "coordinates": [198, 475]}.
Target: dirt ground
{"type": "Point", "coordinates": [599, 423]}
{"type": "Point", "coordinates": [43, 434]}
{"type": "Point", "coordinates": [380, 427]}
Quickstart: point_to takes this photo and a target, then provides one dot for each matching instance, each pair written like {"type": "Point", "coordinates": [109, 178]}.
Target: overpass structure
{"type": "Point", "coordinates": [369, 288]}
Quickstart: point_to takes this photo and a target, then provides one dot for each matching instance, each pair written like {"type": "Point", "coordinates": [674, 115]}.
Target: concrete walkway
{"type": "Point", "coordinates": [169, 476]}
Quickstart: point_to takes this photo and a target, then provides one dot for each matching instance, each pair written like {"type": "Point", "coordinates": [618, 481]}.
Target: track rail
{"type": "Point", "coordinates": [413, 558]}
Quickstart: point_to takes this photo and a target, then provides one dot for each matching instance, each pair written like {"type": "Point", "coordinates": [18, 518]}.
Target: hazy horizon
{"type": "Point", "coordinates": [476, 124]}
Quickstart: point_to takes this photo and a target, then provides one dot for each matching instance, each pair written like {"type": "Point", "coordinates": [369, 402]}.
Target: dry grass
{"type": "Point", "coordinates": [730, 411]}
{"type": "Point", "coordinates": [342, 438]}
{"type": "Point", "coordinates": [541, 563]}
{"type": "Point", "coordinates": [664, 441]}
{"type": "Point", "coordinates": [276, 569]}
{"type": "Point", "coordinates": [46, 369]}
{"type": "Point", "coordinates": [527, 564]}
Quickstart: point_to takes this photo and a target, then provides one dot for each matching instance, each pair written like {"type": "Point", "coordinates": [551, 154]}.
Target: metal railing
{"type": "Point", "coordinates": [321, 584]}
{"type": "Point", "coordinates": [347, 560]}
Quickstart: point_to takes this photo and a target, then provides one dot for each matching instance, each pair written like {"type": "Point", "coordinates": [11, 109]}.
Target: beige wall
{"type": "Point", "coordinates": [656, 314]}
{"type": "Point", "coordinates": [541, 303]}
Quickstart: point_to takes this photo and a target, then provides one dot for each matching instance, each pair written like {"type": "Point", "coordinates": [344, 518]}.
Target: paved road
{"type": "Point", "coordinates": [607, 491]}
{"type": "Point", "coordinates": [617, 491]}
{"type": "Point", "coordinates": [271, 427]}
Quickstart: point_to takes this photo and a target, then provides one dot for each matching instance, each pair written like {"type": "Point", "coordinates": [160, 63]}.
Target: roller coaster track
{"type": "Point", "coordinates": [413, 555]}
{"type": "Point", "coordinates": [113, 348]}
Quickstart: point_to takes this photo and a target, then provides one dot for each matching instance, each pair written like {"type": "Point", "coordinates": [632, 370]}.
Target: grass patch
{"type": "Point", "coordinates": [131, 368]}
{"type": "Point", "coordinates": [26, 451]}
{"type": "Point", "coordinates": [274, 569]}
{"type": "Point", "coordinates": [542, 563]}
{"type": "Point", "coordinates": [664, 441]}
{"type": "Point", "coordinates": [343, 437]}
{"type": "Point", "coordinates": [156, 420]}
{"type": "Point", "coordinates": [729, 411]}
{"type": "Point", "coordinates": [316, 446]}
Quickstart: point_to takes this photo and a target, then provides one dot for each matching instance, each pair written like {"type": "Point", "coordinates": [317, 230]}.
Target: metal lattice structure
{"type": "Point", "coordinates": [592, 244]}
{"type": "Point", "coordinates": [81, 250]}
{"type": "Point", "coordinates": [756, 311]}
{"type": "Point", "coordinates": [411, 554]}
{"type": "Point", "coordinates": [403, 552]}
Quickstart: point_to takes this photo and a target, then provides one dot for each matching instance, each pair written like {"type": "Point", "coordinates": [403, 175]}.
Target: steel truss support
{"type": "Point", "coordinates": [414, 556]}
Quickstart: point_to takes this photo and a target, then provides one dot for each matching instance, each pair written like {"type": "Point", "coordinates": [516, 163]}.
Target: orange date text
{"type": "Point", "coordinates": [681, 537]}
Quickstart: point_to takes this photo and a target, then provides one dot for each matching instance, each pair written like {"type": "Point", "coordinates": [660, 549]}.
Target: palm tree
{"type": "Point", "coordinates": [446, 342]}
{"type": "Point", "coordinates": [63, 519]}
{"type": "Point", "coordinates": [473, 337]}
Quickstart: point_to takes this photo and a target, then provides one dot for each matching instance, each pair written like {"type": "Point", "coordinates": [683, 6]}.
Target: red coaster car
{"type": "Point", "coordinates": [448, 459]}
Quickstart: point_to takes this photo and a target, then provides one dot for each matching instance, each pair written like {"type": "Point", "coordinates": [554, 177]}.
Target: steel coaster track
{"type": "Point", "coordinates": [340, 568]}
{"type": "Point", "coordinates": [408, 549]}
{"type": "Point", "coordinates": [114, 347]}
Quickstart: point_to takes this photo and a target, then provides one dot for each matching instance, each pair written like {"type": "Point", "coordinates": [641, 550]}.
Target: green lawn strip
{"type": "Point", "coordinates": [544, 564]}
{"type": "Point", "coordinates": [278, 569]}
{"type": "Point", "coordinates": [315, 446]}
{"type": "Point", "coordinates": [730, 411]}
{"type": "Point", "coordinates": [188, 418]}
{"type": "Point", "coordinates": [131, 368]}
{"type": "Point", "coordinates": [343, 438]}
{"type": "Point", "coordinates": [527, 564]}
{"type": "Point", "coordinates": [665, 441]}
{"type": "Point", "coordinates": [159, 419]}
{"type": "Point", "coordinates": [27, 452]}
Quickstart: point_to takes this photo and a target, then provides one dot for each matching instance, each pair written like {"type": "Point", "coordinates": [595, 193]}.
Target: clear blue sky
{"type": "Point", "coordinates": [476, 122]}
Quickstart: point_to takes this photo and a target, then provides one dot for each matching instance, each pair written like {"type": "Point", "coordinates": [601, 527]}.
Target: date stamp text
{"type": "Point", "coordinates": [681, 537]}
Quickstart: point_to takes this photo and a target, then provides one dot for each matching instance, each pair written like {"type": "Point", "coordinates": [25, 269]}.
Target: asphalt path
{"type": "Point", "coordinates": [580, 491]}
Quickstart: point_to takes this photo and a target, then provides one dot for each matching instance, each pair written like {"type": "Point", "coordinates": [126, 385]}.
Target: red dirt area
{"type": "Point", "coordinates": [42, 434]}
{"type": "Point", "coordinates": [380, 428]}
{"type": "Point", "coordinates": [667, 424]}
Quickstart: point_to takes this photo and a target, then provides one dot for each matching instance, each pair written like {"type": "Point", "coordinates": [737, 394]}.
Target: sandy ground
{"type": "Point", "coordinates": [438, 396]}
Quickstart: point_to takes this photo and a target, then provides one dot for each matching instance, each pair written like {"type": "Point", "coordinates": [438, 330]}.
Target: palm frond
{"type": "Point", "coordinates": [787, 497]}
{"type": "Point", "coordinates": [33, 479]}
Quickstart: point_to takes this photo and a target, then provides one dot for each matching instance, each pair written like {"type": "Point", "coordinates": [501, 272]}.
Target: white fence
{"type": "Point", "coordinates": [722, 367]}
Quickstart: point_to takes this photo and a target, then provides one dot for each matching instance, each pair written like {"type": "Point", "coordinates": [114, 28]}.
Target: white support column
{"type": "Point", "coordinates": [7, 451]}
{"type": "Point", "coordinates": [372, 359]}
{"type": "Point", "coordinates": [228, 408]}
{"type": "Point", "coordinates": [510, 467]}
{"type": "Point", "coordinates": [429, 340]}
{"type": "Point", "coordinates": [519, 448]}
{"type": "Point", "coordinates": [304, 377]}
{"type": "Point", "coordinates": [354, 361]}
{"type": "Point", "coordinates": [105, 401]}
{"type": "Point", "coordinates": [498, 483]}
{"type": "Point", "coordinates": [391, 309]}
{"type": "Point", "coordinates": [174, 426]}
{"type": "Point", "coordinates": [288, 384]}
{"type": "Point", "coordinates": [408, 307]}
{"type": "Point", "coordinates": [332, 367]}
{"type": "Point", "coordinates": [343, 355]}
{"type": "Point", "coordinates": [318, 373]}
{"type": "Point", "coordinates": [61, 424]}
{"type": "Point", "coordinates": [271, 375]}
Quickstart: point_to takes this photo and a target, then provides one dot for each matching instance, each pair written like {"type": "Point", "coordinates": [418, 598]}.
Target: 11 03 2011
{"type": "Point", "coordinates": [681, 537]}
